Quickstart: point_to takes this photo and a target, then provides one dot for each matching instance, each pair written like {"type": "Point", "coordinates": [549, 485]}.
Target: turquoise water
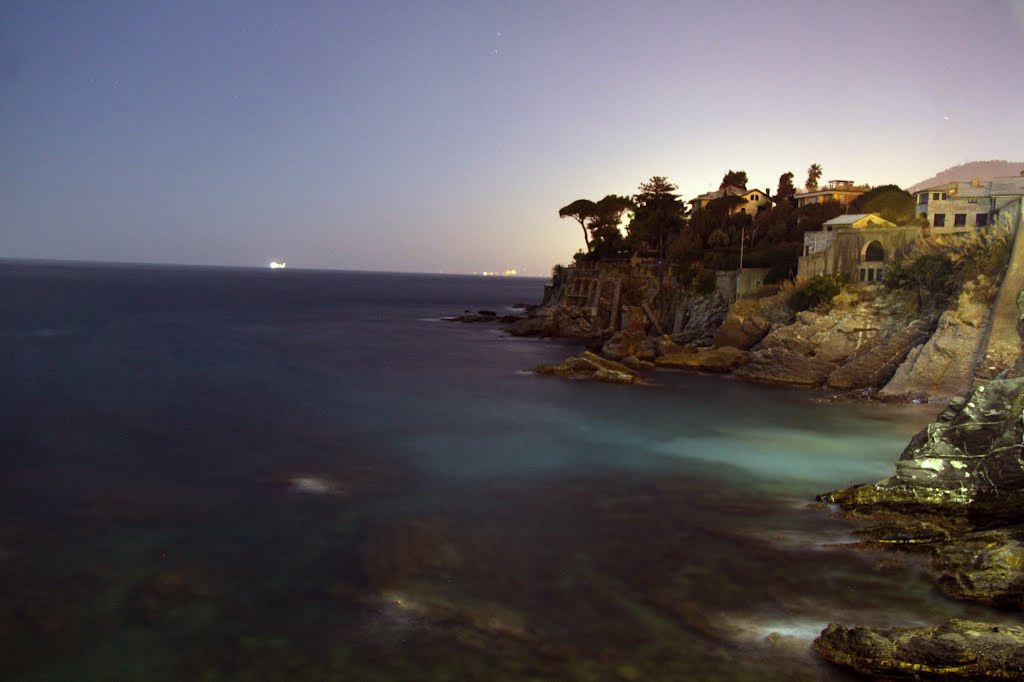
{"type": "Point", "coordinates": [245, 475]}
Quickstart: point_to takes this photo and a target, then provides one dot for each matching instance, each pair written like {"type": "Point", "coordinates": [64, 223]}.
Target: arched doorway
{"type": "Point", "coordinates": [872, 262]}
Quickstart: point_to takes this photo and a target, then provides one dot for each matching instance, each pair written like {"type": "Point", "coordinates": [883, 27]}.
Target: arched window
{"type": "Point", "coordinates": [874, 252]}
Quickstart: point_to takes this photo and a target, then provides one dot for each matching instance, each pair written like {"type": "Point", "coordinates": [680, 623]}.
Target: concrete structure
{"type": "Point", "coordinates": [757, 199]}
{"type": "Point", "coordinates": [970, 206]}
{"type": "Point", "coordinates": [855, 246]}
{"type": "Point", "coordinates": [842, 191]}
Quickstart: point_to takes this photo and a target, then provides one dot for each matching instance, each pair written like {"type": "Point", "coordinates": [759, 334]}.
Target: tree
{"type": "Point", "coordinates": [658, 215]}
{"type": "Point", "coordinates": [582, 210]}
{"type": "Point", "coordinates": [813, 175]}
{"type": "Point", "coordinates": [734, 178]}
{"type": "Point", "coordinates": [786, 189]}
{"type": "Point", "coordinates": [889, 201]}
{"type": "Point", "coordinates": [608, 213]}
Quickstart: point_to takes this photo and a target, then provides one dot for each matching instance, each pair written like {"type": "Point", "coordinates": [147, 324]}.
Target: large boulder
{"type": "Point", "coordinates": [622, 344]}
{"type": "Point", "coordinates": [779, 365]}
{"type": "Point", "coordinates": [722, 359]}
{"type": "Point", "coordinates": [742, 332]}
{"type": "Point", "coordinates": [957, 650]}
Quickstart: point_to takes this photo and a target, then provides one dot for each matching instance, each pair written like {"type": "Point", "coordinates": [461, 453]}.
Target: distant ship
{"type": "Point", "coordinates": [274, 265]}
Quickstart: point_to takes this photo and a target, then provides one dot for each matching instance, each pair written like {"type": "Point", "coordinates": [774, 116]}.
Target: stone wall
{"type": "Point", "coordinates": [846, 253]}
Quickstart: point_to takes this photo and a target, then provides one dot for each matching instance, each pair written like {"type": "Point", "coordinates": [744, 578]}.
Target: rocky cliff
{"type": "Point", "coordinates": [596, 301]}
{"type": "Point", "coordinates": [868, 339]}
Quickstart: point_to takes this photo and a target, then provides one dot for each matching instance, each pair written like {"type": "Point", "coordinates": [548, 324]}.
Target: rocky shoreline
{"type": "Point", "coordinates": [957, 497]}
{"type": "Point", "coordinates": [958, 493]}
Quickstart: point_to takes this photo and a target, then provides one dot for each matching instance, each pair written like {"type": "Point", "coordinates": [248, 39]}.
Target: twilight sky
{"type": "Point", "coordinates": [444, 136]}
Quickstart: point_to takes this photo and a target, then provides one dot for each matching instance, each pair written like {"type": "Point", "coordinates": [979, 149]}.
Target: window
{"type": "Point", "coordinates": [972, 201]}
{"type": "Point", "coordinates": [959, 219]}
{"type": "Point", "coordinates": [944, 196]}
{"type": "Point", "coordinates": [939, 220]}
{"type": "Point", "coordinates": [935, 196]}
{"type": "Point", "coordinates": [863, 275]}
{"type": "Point", "coordinates": [981, 220]}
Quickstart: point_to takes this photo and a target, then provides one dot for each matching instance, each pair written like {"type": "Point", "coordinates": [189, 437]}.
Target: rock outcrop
{"type": "Point", "coordinates": [590, 366]}
{"type": "Point", "coordinates": [558, 321]}
{"type": "Point", "coordinates": [781, 365]}
{"type": "Point", "coordinates": [723, 359]}
{"type": "Point", "coordinates": [943, 367]}
{"type": "Point", "coordinates": [857, 344]}
{"type": "Point", "coordinates": [957, 650]}
{"type": "Point", "coordinates": [969, 462]}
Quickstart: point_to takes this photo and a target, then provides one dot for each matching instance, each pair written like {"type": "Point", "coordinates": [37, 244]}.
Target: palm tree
{"type": "Point", "coordinates": [813, 175]}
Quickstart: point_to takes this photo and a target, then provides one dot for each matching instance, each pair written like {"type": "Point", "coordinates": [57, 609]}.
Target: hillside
{"type": "Point", "coordinates": [983, 170]}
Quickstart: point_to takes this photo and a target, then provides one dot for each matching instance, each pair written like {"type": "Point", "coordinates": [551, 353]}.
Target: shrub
{"type": "Point", "coordinates": [698, 280]}
{"type": "Point", "coordinates": [987, 255]}
{"type": "Point", "coordinates": [816, 292]}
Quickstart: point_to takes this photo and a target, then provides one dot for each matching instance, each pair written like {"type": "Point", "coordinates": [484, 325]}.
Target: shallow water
{"type": "Point", "coordinates": [244, 474]}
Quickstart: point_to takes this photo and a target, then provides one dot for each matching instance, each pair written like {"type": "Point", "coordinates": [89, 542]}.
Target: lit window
{"type": "Point", "coordinates": [959, 219]}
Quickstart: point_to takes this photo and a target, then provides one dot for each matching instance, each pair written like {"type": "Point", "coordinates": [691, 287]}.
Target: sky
{"type": "Point", "coordinates": [436, 136]}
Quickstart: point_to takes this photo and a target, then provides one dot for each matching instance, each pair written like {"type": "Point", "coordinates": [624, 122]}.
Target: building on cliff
{"type": "Point", "coordinates": [756, 200]}
{"type": "Point", "coordinates": [856, 246]}
{"type": "Point", "coordinates": [842, 191]}
{"type": "Point", "coordinates": [964, 206]}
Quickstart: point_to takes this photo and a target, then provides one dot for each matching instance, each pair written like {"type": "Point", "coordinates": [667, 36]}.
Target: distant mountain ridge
{"type": "Point", "coordinates": [965, 172]}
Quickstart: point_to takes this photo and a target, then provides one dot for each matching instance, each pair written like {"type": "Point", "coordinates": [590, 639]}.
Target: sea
{"type": "Point", "coordinates": [246, 474]}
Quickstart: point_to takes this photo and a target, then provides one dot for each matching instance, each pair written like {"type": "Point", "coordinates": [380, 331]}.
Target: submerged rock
{"type": "Point", "coordinates": [985, 567]}
{"type": "Point", "coordinates": [412, 550]}
{"type": "Point", "coordinates": [161, 596]}
{"type": "Point", "coordinates": [957, 650]}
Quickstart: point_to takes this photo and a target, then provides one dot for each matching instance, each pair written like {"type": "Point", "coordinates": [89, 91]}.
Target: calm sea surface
{"type": "Point", "coordinates": [219, 474]}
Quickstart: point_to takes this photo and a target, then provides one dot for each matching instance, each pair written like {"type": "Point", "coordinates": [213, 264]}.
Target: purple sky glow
{"type": "Point", "coordinates": [445, 136]}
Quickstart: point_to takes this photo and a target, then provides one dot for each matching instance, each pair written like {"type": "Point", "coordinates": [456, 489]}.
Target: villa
{"type": "Point", "coordinates": [965, 206]}
{"type": "Point", "coordinates": [756, 199]}
{"type": "Point", "coordinates": [842, 191]}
